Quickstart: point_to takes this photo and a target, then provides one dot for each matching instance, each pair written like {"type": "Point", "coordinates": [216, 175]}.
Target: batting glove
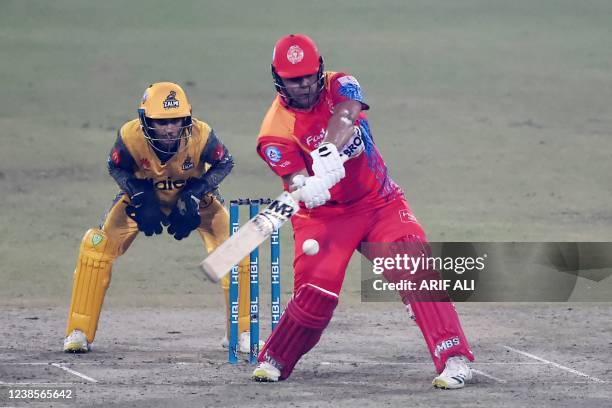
{"type": "Point", "coordinates": [313, 190]}
{"type": "Point", "coordinates": [327, 164]}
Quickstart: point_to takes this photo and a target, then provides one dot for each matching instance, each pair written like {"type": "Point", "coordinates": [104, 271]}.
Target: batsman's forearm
{"type": "Point", "coordinates": [341, 125]}
{"type": "Point", "coordinates": [339, 131]}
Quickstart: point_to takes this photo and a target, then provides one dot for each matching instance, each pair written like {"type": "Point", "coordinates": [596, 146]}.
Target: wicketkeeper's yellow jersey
{"type": "Point", "coordinates": [170, 177]}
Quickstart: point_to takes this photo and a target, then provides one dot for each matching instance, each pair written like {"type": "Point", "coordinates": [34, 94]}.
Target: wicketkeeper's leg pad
{"type": "Point", "coordinates": [307, 315]}
{"type": "Point", "coordinates": [91, 279]}
{"type": "Point", "coordinates": [244, 295]}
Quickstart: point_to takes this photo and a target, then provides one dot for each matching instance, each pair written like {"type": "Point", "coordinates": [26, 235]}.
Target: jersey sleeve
{"type": "Point", "coordinates": [221, 161]}
{"type": "Point", "coordinates": [345, 87]}
{"type": "Point", "coordinates": [121, 164]}
{"type": "Point", "coordinates": [283, 156]}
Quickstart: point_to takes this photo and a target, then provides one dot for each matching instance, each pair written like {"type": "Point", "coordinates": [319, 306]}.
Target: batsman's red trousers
{"type": "Point", "coordinates": [340, 233]}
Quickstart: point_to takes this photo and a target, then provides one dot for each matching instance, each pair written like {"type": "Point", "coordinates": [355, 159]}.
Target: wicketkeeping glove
{"type": "Point", "coordinates": [327, 164]}
{"type": "Point", "coordinates": [144, 207]}
{"type": "Point", "coordinates": [185, 216]}
{"type": "Point", "coordinates": [313, 190]}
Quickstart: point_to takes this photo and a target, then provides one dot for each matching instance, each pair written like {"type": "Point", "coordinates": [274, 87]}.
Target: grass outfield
{"type": "Point", "coordinates": [493, 116]}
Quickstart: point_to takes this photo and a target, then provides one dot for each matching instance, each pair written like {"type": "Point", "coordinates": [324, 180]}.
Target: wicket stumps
{"type": "Point", "coordinates": [275, 295]}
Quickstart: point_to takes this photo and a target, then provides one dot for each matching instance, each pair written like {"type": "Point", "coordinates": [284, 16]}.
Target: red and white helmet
{"type": "Point", "coordinates": [296, 55]}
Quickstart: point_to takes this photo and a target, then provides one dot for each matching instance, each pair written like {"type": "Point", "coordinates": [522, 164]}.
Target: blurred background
{"type": "Point", "coordinates": [493, 116]}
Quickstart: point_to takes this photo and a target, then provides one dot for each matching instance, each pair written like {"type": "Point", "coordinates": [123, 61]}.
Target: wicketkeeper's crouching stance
{"type": "Point", "coordinates": [168, 166]}
{"type": "Point", "coordinates": [316, 116]}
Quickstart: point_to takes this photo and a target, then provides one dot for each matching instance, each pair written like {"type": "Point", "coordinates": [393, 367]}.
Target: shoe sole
{"type": "Point", "coordinates": [75, 348]}
{"type": "Point", "coordinates": [263, 379]}
{"type": "Point", "coordinates": [443, 385]}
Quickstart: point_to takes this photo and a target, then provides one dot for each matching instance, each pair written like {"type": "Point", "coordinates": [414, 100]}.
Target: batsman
{"type": "Point", "coordinates": [317, 118]}
{"type": "Point", "coordinates": [168, 166]}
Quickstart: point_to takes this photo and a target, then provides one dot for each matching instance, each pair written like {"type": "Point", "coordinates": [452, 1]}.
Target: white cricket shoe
{"type": "Point", "coordinates": [265, 372]}
{"type": "Point", "coordinates": [76, 342]}
{"type": "Point", "coordinates": [456, 373]}
{"type": "Point", "coordinates": [244, 343]}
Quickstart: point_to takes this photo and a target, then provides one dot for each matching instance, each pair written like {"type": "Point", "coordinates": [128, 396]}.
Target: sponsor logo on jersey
{"type": "Point", "coordinates": [295, 54]}
{"type": "Point", "coordinates": [219, 152]}
{"type": "Point", "coordinates": [115, 157]}
{"type": "Point", "coordinates": [273, 154]}
{"type": "Point", "coordinates": [169, 184]}
{"type": "Point", "coordinates": [355, 145]}
{"type": "Point", "coordinates": [187, 164]}
{"type": "Point", "coordinates": [171, 102]}
{"type": "Point", "coordinates": [313, 141]}
{"type": "Point", "coordinates": [446, 345]}
{"type": "Point", "coordinates": [145, 164]}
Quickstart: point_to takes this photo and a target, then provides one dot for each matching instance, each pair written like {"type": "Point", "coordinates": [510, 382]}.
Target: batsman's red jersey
{"type": "Point", "coordinates": [287, 136]}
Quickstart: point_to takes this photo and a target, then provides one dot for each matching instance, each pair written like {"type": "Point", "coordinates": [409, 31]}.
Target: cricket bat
{"type": "Point", "coordinates": [219, 262]}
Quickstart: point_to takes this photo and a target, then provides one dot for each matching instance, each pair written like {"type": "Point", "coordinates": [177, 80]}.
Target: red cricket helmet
{"type": "Point", "coordinates": [296, 55]}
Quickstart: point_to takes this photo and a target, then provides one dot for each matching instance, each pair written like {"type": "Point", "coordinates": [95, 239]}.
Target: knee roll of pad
{"type": "Point", "coordinates": [313, 307]}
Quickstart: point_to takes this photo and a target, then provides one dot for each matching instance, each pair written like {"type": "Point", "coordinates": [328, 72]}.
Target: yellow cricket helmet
{"type": "Point", "coordinates": [164, 100]}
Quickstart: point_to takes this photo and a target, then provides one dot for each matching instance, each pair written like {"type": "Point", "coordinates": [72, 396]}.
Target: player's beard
{"type": "Point", "coordinates": [307, 100]}
{"type": "Point", "coordinates": [168, 143]}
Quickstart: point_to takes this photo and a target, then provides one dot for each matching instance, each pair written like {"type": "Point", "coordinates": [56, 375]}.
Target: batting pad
{"type": "Point", "coordinates": [91, 278]}
{"type": "Point", "coordinates": [307, 315]}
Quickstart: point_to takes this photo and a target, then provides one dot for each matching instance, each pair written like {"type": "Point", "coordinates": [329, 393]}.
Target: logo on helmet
{"type": "Point", "coordinates": [295, 54]}
{"type": "Point", "coordinates": [171, 102]}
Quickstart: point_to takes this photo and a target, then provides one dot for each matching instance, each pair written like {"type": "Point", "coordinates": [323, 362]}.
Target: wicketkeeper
{"type": "Point", "coordinates": [168, 166]}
